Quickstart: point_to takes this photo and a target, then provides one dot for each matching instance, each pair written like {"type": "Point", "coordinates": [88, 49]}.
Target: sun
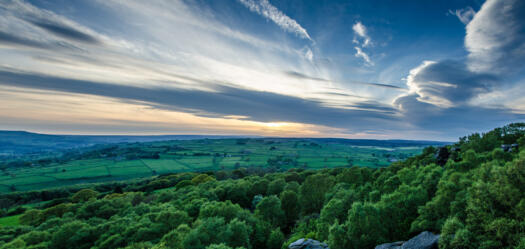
{"type": "Point", "coordinates": [275, 125]}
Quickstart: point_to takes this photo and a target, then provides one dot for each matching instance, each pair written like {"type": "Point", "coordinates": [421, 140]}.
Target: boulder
{"type": "Point", "coordinates": [395, 245]}
{"type": "Point", "coordinates": [425, 240]}
{"type": "Point", "coordinates": [308, 244]}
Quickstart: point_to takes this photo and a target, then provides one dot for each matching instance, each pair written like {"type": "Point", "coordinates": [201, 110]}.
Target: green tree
{"type": "Point", "coordinates": [175, 238]}
{"type": "Point", "coordinates": [31, 217]}
{"type": "Point", "coordinates": [269, 209]}
{"type": "Point", "coordinates": [202, 178]}
{"type": "Point", "coordinates": [171, 219]}
{"type": "Point", "coordinates": [75, 234]}
{"type": "Point", "coordinates": [84, 195]}
{"type": "Point", "coordinates": [313, 192]}
{"type": "Point", "coordinates": [365, 226]}
{"type": "Point", "coordinates": [238, 234]}
{"type": "Point", "coordinates": [290, 206]}
{"type": "Point", "coordinates": [275, 240]}
{"type": "Point", "coordinates": [276, 186]}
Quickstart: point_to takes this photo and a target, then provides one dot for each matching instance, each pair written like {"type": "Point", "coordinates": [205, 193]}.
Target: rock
{"type": "Point", "coordinates": [395, 245]}
{"type": "Point", "coordinates": [442, 155]}
{"type": "Point", "coordinates": [425, 240]}
{"type": "Point", "coordinates": [308, 244]}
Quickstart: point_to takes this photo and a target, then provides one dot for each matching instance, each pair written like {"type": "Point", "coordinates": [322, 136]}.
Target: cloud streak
{"type": "Point", "coordinates": [361, 54]}
{"type": "Point", "coordinates": [222, 101]}
{"type": "Point", "coordinates": [307, 77]}
{"type": "Point", "coordinates": [267, 10]}
{"type": "Point", "coordinates": [464, 15]}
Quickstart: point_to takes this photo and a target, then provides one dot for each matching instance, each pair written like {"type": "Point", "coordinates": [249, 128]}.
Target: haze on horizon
{"type": "Point", "coordinates": [356, 69]}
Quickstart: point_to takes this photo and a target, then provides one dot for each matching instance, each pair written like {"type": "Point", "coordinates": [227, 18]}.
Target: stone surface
{"type": "Point", "coordinates": [425, 240]}
{"type": "Point", "coordinates": [308, 244]}
{"type": "Point", "coordinates": [395, 245]}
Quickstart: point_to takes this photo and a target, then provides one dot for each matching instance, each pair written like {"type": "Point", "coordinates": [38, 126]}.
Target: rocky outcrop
{"type": "Point", "coordinates": [425, 240]}
{"type": "Point", "coordinates": [308, 244]}
{"type": "Point", "coordinates": [395, 245]}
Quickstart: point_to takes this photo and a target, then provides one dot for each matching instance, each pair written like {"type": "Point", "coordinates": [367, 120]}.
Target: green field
{"type": "Point", "coordinates": [9, 221]}
{"type": "Point", "coordinates": [134, 160]}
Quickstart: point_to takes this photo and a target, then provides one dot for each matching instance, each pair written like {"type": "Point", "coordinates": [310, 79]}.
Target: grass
{"type": "Point", "coordinates": [200, 155]}
{"type": "Point", "coordinates": [10, 221]}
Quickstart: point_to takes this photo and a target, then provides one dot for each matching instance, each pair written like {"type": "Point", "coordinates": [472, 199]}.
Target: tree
{"type": "Point", "coordinates": [337, 237]}
{"type": "Point", "coordinates": [202, 178]}
{"type": "Point", "coordinates": [84, 195]}
{"type": "Point", "coordinates": [269, 209]}
{"type": "Point", "coordinates": [365, 227]}
{"type": "Point", "coordinates": [276, 186]}
{"type": "Point", "coordinates": [313, 192]}
{"type": "Point", "coordinates": [171, 219]}
{"type": "Point", "coordinates": [31, 217]}
{"type": "Point", "coordinates": [226, 210]}
{"type": "Point", "coordinates": [290, 206]}
{"type": "Point", "coordinates": [175, 238]}
{"type": "Point", "coordinates": [455, 235]}
{"type": "Point", "coordinates": [75, 234]}
{"type": "Point", "coordinates": [259, 187]}
{"type": "Point", "coordinates": [238, 233]}
{"type": "Point", "coordinates": [275, 240]}
{"type": "Point", "coordinates": [207, 231]}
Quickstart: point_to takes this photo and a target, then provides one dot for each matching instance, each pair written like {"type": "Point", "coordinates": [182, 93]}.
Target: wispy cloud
{"type": "Point", "coordinates": [465, 15]}
{"type": "Point", "coordinates": [266, 9]}
{"type": "Point", "coordinates": [360, 30]}
{"type": "Point", "coordinates": [362, 40]}
{"type": "Point", "coordinates": [359, 53]}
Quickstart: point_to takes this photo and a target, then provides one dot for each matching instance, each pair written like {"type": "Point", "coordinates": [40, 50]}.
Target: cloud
{"type": "Point", "coordinates": [457, 120]}
{"type": "Point", "coordinates": [29, 18]}
{"type": "Point", "coordinates": [359, 53]}
{"type": "Point", "coordinates": [13, 40]}
{"type": "Point", "coordinates": [360, 30]}
{"type": "Point", "coordinates": [495, 37]}
{"type": "Point", "coordinates": [266, 9]}
{"type": "Point", "coordinates": [164, 61]}
{"type": "Point", "coordinates": [464, 15]}
{"type": "Point", "coordinates": [495, 40]}
{"type": "Point", "coordinates": [66, 32]}
{"type": "Point", "coordinates": [221, 101]}
{"type": "Point", "coordinates": [304, 76]}
{"type": "Point", "coordinates": [448, 83]}
{"type": "Point", "coordinates": [307, 77]}
{"type": "Point", "coordinates": [456, 95]}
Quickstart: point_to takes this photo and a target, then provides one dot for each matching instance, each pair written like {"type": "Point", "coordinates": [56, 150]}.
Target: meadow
{"type": "Point", "coordinates": [124, 161]}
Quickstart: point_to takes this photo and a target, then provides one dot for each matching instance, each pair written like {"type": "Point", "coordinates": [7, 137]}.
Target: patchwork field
{"type": "Point", "coordinates": [134, 160]}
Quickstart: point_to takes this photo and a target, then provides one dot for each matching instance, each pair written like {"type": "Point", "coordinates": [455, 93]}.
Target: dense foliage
{"type": "Point", "coordinates": [471, 192]}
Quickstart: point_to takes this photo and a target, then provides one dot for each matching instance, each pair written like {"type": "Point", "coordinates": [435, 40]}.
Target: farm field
{"type": "Point", "coordinates": [135, 160]}
{"type": "Point", "coordinates": [9, 221]}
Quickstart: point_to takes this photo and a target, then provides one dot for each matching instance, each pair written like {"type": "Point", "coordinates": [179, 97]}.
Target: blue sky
{"type": "Point", "coordinates": [375, 69]}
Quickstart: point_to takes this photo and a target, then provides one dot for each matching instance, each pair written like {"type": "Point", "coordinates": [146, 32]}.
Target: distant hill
{"type": "Point", "coordinates": [22, 142]}
{"type": "Point", "coordinates": [382, 143]}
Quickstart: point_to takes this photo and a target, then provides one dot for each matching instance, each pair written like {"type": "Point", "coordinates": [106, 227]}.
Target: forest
{"type": "Point", "coordinates": [470, 192]}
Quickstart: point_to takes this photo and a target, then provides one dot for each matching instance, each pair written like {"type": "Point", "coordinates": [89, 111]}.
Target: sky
{"type": "Point", "coordinates": [420, 69]}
